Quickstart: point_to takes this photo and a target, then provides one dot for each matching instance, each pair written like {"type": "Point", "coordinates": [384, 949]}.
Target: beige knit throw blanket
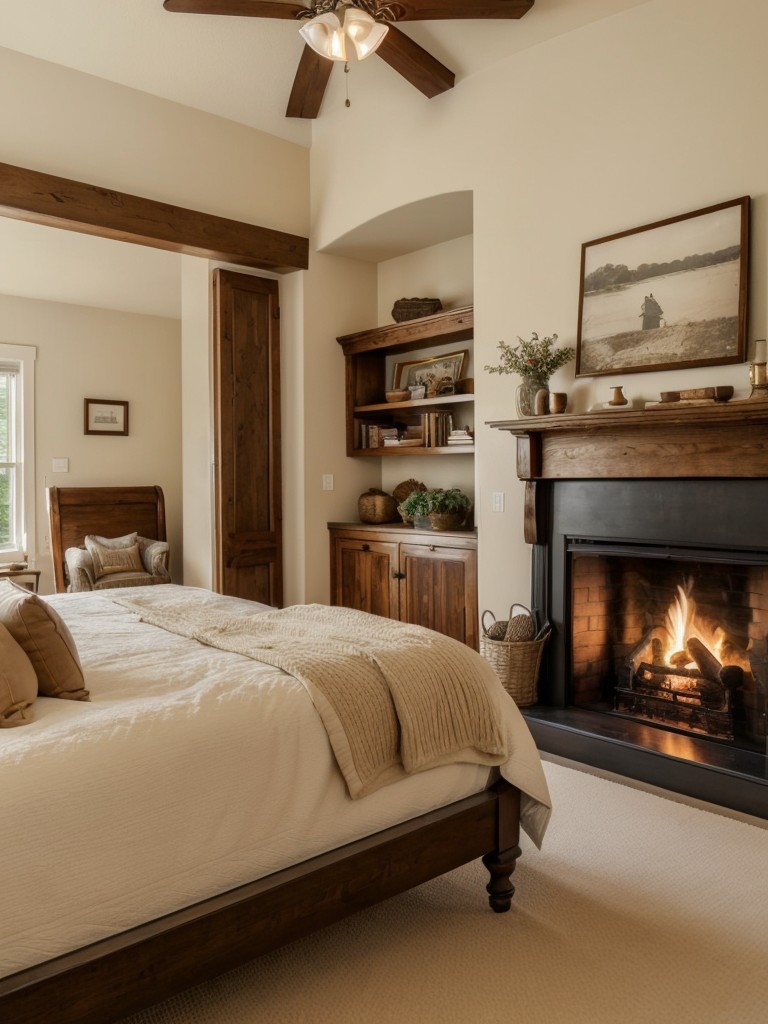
{"type": "Point", "coordinates": [393, 698]}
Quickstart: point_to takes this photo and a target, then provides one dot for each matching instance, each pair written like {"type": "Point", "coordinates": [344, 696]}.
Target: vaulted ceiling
{"type": "Point", "coordinates": [237, 68]}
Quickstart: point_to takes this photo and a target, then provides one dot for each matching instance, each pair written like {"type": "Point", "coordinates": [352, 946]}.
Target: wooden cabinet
{"type": "Point", "coordinates": [369, 359]}
{"type": "Point", "coordinates": [420, 576]}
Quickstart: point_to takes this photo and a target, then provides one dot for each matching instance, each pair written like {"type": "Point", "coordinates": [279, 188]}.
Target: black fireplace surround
{"type": "Point", "coordinates": [686, 489]}
{"type": "Point", "coordinates": [685, 521]}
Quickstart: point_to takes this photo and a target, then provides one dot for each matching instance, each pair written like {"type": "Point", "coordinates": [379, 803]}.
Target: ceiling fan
{"type": "Point", "coordinates": [369, 25]}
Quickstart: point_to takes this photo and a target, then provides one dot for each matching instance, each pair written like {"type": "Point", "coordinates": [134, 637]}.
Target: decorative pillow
{"type": "Point", "coordinates": [114, 555]}
{"type": "Point", "coordinates": [18, 683]}
{"type": "Point", "coordinates": [43, 635]}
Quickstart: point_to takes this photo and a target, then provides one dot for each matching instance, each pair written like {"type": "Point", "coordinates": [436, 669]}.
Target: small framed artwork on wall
{"type": "Point", "coordinates": [105, 416]}
{"type": "Point", "coordinates": [667, 295]}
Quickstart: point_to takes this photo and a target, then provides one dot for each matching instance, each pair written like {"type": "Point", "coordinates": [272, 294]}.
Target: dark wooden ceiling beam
{"type": "Point", "coordinates": [90, 209]}
{"type": "Point", "coordinates": [413, 62]}
{"type": "Point", "coordinates": [309, 84]}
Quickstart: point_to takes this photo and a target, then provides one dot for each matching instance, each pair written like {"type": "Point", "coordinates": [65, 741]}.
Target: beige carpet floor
{"type": "Point", "coordinates": [638, 909]}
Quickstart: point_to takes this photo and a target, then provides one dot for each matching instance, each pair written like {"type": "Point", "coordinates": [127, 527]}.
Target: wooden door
{"type": "Point", "coordinates": [439, 589]}
{"type": "Point", "coordinates": [248, 558]}
{"type": "Point", "coordinates": [363, 576]}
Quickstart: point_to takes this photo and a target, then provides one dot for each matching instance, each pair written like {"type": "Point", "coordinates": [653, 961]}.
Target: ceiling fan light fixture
{"type": "Point", "coordinates": [325, 35]}
{"type": "Point", "coordinates": [365, 33]}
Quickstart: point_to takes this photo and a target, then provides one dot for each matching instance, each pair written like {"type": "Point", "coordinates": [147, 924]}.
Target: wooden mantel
{"type": "Point", "coordinates": [722, 440]}
{"type": "Point", "coordinates": [725, 439]}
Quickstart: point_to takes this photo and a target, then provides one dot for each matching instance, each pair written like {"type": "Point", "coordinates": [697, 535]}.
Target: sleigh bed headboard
{"type": "Point", "coordinates": [75, 512]}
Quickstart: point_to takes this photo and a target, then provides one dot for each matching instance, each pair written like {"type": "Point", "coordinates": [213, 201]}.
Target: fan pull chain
{"type": "Point", "coordinates": [347, 102]}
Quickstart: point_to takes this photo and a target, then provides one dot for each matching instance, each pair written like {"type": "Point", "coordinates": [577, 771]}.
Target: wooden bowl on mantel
{"type": "Point", "coordinates": [397, 395]}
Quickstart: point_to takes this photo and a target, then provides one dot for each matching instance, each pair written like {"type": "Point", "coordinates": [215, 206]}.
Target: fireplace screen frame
{"type": "Point", "coordinates": [631, 514]}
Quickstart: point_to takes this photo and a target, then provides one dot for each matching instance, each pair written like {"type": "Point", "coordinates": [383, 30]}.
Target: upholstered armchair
{"type": "Point", "coordinates": [105, 537]}
{"type": "Point", "coordinates": [104, 562]}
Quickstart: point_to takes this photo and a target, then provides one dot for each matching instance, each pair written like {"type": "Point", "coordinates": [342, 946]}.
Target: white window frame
{"type": "Point", "coordinates": [24, 356]}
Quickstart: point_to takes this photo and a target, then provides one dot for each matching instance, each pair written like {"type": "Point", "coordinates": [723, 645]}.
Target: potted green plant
{"type": "Point", "coordinates": [437, 509]}
{"type": "Point", "coordinates": [534, 362]}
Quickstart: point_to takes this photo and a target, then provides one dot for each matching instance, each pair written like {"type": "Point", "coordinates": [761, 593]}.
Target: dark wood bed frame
{"type": "Point", "coordinates": [118, 976]}
{"type": "Point", "coordinates": [121, 975]}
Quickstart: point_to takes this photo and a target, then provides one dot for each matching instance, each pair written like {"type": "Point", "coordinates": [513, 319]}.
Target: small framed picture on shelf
{"type": "Point", "coordinates": [438, 374]}
{"type": "Point", "coordinates": [106, 416]}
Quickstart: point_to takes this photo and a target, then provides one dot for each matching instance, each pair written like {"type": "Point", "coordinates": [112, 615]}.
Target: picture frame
{"type": "Point", "coordinates": [106, 416]}
{"type": "Point", "coordinates": [430, 372]}
{"type": "Point", "coordinates": [667, 295]}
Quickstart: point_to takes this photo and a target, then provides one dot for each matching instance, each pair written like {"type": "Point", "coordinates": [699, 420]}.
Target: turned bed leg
{"type": "Point", "coordinates": [500, 888]}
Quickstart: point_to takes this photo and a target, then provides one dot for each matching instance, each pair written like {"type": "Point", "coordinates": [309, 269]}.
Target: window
{"type": "Point", "coordinates": [17, 470]}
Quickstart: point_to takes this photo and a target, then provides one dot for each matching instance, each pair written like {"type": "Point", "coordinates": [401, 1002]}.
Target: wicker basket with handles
{"type": "Point", "coordinates": [514, 652]}
{"type": "Point", "coordinates": [377, 506]}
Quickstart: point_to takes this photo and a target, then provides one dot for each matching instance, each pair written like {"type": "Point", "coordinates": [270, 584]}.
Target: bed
{"type": "Point", "coordinates": [193, 813]}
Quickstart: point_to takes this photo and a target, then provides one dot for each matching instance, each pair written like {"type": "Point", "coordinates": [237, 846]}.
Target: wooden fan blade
{"type": "Point", "coordinates": [444, 10]}
{"type": "Point", "coordinates": [414, 63]}
{"type": "Point", "coordinates": [309, 84]}
{"type": "Point", "coordinates": [239, 8]}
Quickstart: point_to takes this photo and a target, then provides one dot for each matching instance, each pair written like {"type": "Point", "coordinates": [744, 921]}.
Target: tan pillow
{"type": "Point", "coordinates": [18, 683]}
{"type": "Point", "coordinates": [45, 638]}
{"type": "Point", "coordinates": [114, 555]}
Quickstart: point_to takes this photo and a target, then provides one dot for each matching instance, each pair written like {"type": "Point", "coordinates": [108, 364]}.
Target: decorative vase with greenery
{"type": "Point", "coordinates": [534, 361]}
{"type": "Point", "coordinates": [437, 509]}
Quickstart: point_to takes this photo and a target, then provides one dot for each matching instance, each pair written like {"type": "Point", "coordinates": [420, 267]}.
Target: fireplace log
{"type": "Point", "coordinates": [708, 664]}
{"type": "Point", "coordinates": [657, 651]}
{"type": "Point", "coordinates": [711, 693]}
{"type": "Point", "coordinates": [732, 677]}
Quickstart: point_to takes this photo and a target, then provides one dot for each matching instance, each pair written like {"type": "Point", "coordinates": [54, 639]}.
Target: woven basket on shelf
{"type": "Point", "coordinates": [377, 506]}
{"type": "Point", "coordinates": [516, 662]}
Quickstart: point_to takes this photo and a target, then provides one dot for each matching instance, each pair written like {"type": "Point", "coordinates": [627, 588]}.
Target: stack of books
{"type": "Point", "coordinates": [460, 436]}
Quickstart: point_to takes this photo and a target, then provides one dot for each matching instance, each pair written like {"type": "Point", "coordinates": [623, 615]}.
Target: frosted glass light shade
{"type": "Point", "coordinates": [365, 33]}
{"type": "Point", "coordinates": [326, 36]}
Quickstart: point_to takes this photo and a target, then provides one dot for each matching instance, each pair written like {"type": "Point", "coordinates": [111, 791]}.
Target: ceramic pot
{"type": "Point", "coordinates": [525, 397]}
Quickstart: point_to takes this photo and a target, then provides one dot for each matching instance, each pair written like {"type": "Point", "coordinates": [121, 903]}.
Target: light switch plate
{"type": "Point", "coordinates": [60, 466]}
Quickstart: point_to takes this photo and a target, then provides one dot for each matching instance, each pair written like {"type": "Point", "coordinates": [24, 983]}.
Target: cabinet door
{"type": "Point", "coordinates": [364, 576]}
{"type": "Point", "coordinates": [440, 589]}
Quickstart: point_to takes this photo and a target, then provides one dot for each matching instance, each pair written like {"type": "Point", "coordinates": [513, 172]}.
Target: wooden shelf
{"type": "Point", "coordinates": [365, 355]}
{"type": "Point", "coordinates": [450, 325]}
{"type": "Point", "coordinates": [420, 403]}
{"type": "Point", "coordinates": [454, 449]}
{"type": "Point", "coordinates": [726, 439]}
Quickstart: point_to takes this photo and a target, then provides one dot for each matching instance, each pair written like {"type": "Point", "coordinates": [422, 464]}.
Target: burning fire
{"type": "Point", "coordinates": [686, 670]}
{"type": "Point", "coordinates": [682, 624]}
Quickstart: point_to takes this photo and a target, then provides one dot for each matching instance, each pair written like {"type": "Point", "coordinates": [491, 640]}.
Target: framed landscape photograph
{"type": "Point", "coordinates": [437, 374]}
{"type": "Point", "coordinates": [105, 416]}
{"type": "Point", "coordinates": [667, 295]}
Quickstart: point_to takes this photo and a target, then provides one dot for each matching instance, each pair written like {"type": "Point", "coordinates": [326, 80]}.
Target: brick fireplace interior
{"type": "Point", "coordinates": [652, 566]}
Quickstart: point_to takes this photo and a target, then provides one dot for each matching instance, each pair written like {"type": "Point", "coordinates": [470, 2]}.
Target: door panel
{"type": "Point", "coordinates": [248, 514]}
{"type": "Point", "coordinates": [365, 580]}
{"type": "Point", "coordinates": [439, 590]}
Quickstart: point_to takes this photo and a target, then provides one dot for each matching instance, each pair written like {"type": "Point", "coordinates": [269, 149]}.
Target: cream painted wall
{"type": "Point", "coordinates": [196, 421]}
{"type": "Point", "coordinates": [339, 298]}
{"type": "Point", "coordinates": [95, 353]}
{"type": "Point", "coordinates": [79, 126]}
{"type": "Point", "coordinates": [441, 271]}
{"type": "Point", "coordinates": [656, 111]}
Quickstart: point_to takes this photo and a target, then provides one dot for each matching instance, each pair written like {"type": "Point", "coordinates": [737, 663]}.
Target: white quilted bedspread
{"type": "Point", "coordinates": [191, 771]}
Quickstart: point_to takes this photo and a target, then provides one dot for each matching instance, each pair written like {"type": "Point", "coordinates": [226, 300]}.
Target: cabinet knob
{"type": "Point", "coordinates": [397, 575]}
{"type": "Point", "coordinates": [366, 547]}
